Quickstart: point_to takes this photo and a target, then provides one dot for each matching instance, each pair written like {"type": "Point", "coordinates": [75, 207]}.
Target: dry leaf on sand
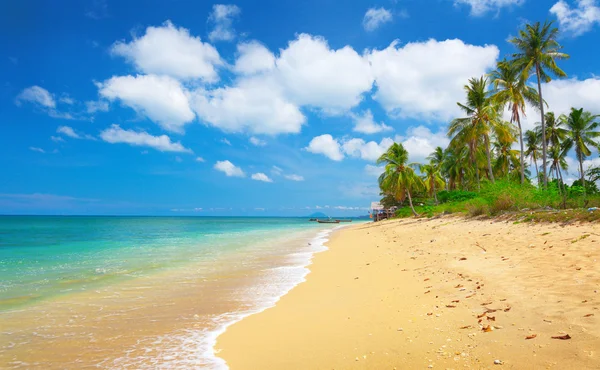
{"type": "Point", "coordinates": [531, 336]}
{"type": "Point", "coordinates": [562, 337]}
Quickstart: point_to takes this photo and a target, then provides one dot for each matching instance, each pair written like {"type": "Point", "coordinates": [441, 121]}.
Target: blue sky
{"type": "Point", "coordinates": [247, 108]}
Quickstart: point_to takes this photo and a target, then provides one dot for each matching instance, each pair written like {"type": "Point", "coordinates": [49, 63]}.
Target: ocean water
{"type": "Point", "coordinates": [140, 292]}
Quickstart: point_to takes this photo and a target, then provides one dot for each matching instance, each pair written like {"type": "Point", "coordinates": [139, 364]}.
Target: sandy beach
{"type": "Point", "coordinates": [446, 293]}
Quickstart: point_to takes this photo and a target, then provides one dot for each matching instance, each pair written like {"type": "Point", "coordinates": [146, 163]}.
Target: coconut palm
{"type": "Point", "coordinates": [456, 166]}
{"type": "Point", "coordinates": [556, 132]}
{"type": "Point", "coordinates": [510, 89]}
{"type": "Point", "coordinates": [432, 179]}
{"type": "Point", "coordinates": [533, 149]}
{"type": "Point", "coordinates": [583, 134]}
{"type": "Point", "coordinates": [398, 178]}
{"type": "Point", "coordinates": [472, 129]}
{"type": "Point", "coordinates": [538, 50]}
{"type": "Point", "coordinates": [437, 158]}
{"type": "Point", "coordinates": [557, 154]}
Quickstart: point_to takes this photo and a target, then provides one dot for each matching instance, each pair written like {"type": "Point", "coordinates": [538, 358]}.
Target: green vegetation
{"type": "Point", "coordinates": [480, 173]}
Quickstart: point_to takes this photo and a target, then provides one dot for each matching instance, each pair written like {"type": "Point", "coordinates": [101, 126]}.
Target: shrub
{"type": "Point", "coordinates": [503, 202]}
{"type": "Point", "coordinates": [446, 196]}
{"type": "Point", "coordinates": [476, 207]}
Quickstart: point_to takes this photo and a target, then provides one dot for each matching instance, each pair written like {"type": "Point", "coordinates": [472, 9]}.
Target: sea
{"type": "Point", "coordinates": [140, 292]}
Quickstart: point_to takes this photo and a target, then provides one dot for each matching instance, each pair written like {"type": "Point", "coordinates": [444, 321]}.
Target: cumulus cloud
{"type": "Point", "coordinates": [374, 171]}
{"type": "Point", "coordinates": [365, 124]}
{"type": "Point", "coordinates": [579, 19]}
{"type": "Point", "coordinates": [68, 131]}
{"type": "Point", "coordinates": [57, 139]}
{"type": "Point", "coordinates": [222, 17]}
{"type": "Point", "coordinates": [294, 177]}
{"type": "Point", "coordinates": [561, 95]}
{"type": "Point", "coordinates": [96, 106]}
{"type": "Point", "coordinates": [412, 83]}
{"type": "Point", "coordinates": [200, 159]}
{"type": "Point", "coordinates": [160, 98]}
{"type": "Point", "coordinates": [115, 134]}
{"type": "Point", "coordinates": [420, 142]}
{"type": "Point", "coordinates": [252, 105]}
{"type": "Point", "coordinates": [171, 51]}
{"type": "Point", "coordinates": [326, 145]}
{"type": "Point", "coordinates": [257, 142]}
{"type": "Point", "coordinates": [315, 75]}
{"type": "Point", "coordinates": [375, 17]}
{"type": "Point", "coordinates": [369, 151]}
{"type": "Point", "coordinates": [481, 7]}
{"type": "Point", "coordinates": [229, 169]}
{"type": "Point", "coordinates": [36, 95]}
{"type": "Point", "coordinates": [253, 57]}
{"type": "Point", "coordinates": [261, 177]}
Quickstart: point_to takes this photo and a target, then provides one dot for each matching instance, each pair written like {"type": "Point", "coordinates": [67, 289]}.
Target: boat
{"type": "Point", "coordinates": [313, 219]}
{"type": "Point", "coordinates": [328, 221]}
{"type": "Point", "coordinates": [344, 220]}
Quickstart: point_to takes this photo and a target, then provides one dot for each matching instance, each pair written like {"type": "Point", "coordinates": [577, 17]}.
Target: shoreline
{"type": "Point", "coordinates": [417, 294]}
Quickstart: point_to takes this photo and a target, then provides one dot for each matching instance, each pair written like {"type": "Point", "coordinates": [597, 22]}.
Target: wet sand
{"type": "Point", "coordinates": [447, 293]}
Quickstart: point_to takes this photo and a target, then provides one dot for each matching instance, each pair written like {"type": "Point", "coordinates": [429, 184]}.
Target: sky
{"type": "Point", "coordinates": [270, 108]}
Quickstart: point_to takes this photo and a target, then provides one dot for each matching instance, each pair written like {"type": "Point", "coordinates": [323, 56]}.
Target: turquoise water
{"type": "Point", "coordinates": [45, 256]}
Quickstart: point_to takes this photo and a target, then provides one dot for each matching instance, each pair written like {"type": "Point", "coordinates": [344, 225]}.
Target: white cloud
{"type": "Point", "coordinates": [365, 124]}
{"type": "Point", "coordinates": [261, 177]}
{"type": "Point", "coordinates": [369, 151]}
{"type": "Point", "coordinates": [561, 95]}
{"type": "Point", "coordinates": [293, 177]}
{"type": "Point", "coordinates": [225, 141]}
{"type": "Point", "coordinates": [257, 142]}
{"type": "Point", "coordinates": [36, 95]}
{"type": "Point", "coordinates": [229, 169]}
{"type": "Point", "coordinates": [326, 145]}
{"type": "Point", "coordinates": [96, 106]}
{"type": "Point", "coordinates": [200, 159]}
{"type": "Point", "coordinates": [68, 131]}
{"type": "Point", "coordinates": [276, 170]}
{"type": "Point", "coordinates": [115, 134]}
{"type": "Point", "coordinates": [480, 7]}
{"type": "Point", "coordinates": [374, 171]}
{"type": "Point", "coordinates": [161, 98]}
{"type": "Point", "coordinates": [253, 57]}
{"type": "Point", "coordinates": [66, 99]}
{"type": "Point", "coordinates": [315, 75]}
{"type": "Point", "coordinates": [375, 17]}
{"type": "Point", "coordinates": [222, 17]}
{"type": "Point", "coordinates": [253, 105]}
{"type": "Point", "coordinates": [420, 142]}
{"type": "Point", "coordinates": [171, 51]}
{"type": "Point", "coordinates": [36, 149]}
{"type": "Point", "coordinates": [57, 139]}
{"type": "Point", "coordinates": [579, 19]}
{"type": "Point", "coordinates": [413, 83]}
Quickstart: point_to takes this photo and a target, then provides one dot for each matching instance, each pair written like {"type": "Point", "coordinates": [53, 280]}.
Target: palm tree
{"type": "Point", "coordinates": [582, 135]}
{"type": "Point", "coordinates": [398, 178]}
{"type": "Point", "coordinates": [533, 149]}
{"type": "Point", "coordinates": [432, 179]}
{"type": "Point", "coordinates": [510, 88]}
{"type": "Point", "coordinates": [456, 166]}
{"type": "Point", "coordinates": [538, 50]}
{"type": "Point", "coordinates": [437, 158]}
{"type": "Point", "coordinates": [476, 126]}
{"type": "Point", "coordinates": [506, 158]}
{"type": "Point", "coordinates": [556, 133]}
{"type": "Point", "coordinates": [558, 154]}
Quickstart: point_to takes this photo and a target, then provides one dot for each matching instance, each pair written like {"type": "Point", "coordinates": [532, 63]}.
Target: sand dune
{"type": "Point", "coordinates": [447, 293]}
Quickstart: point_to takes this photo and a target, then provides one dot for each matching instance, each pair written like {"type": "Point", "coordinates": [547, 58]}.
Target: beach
{"type": "Point", "coordinates": [448, 293]}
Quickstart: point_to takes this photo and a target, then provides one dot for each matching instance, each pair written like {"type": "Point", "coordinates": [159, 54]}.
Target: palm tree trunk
{"type": "Point", "coordinates": [537, 72]}
{"type": "Point", "coordinates": [477, 176]}
{"type": "Point", "coordinates": [537, 174]}
{"type": "Point", "coordinates": [581, 172]}
{"type": "Point", "coordinates": [435, 194]}
{"type": "Point", "coordinates": [564, 189]}
{"type": "Point", "coordinates": [522, 151]}
{"type": "Point", "coordinates": [411, 204]}
{"type": "Point", "coordinates": [489, 158]}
